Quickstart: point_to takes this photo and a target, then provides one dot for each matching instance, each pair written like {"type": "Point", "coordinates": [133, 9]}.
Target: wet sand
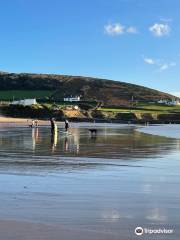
{"type": "Point", "coordinates": [79, 186]}
{"type": "Point", "coordinates": [21, 230]}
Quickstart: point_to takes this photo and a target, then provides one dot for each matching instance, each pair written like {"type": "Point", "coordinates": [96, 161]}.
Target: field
{"type": "Point", "coordinates": [158, 107]}
{"type": "Point", "coordinates": [144, 108]}
{"type": "Point", "coordinates": [21, 94]}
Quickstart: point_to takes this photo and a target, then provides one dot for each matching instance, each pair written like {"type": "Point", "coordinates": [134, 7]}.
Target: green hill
{"type": "Point", "coordinates": [109, 92]}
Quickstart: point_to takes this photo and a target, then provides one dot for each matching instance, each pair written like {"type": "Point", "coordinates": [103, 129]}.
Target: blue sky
{"type": "Point", "coordinates": [135, 41]}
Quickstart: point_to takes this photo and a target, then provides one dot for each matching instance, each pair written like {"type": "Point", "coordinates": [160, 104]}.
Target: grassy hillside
{"type": "Point", "coordinates": [110, 93]}
{"type": "Point", "coordinates": [9, 95]}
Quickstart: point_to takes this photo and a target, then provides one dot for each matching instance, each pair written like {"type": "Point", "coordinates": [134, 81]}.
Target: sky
{"type": "Point", "coordinates": [135, 41]}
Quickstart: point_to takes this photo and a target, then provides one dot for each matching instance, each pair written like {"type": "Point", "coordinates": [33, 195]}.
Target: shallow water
{"type": "Point", "coordinates": [111, 182]}
{"type": "Point", "coordinates": [166, 130]}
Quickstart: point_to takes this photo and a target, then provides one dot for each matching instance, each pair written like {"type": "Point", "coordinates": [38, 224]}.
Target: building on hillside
{"type": "Point", "coordinates": [172, 102]}
{"type": "Point", "coordinates": [72, 99]}
{"type": "Point", "coordinates": [25, 102]}
{"type": "Point", "coordinates": [163, 101]}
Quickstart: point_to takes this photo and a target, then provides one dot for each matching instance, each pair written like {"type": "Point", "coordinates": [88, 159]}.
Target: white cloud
{"type": "Point", "coordinates": [164, 67]}
{"type": "Point", "coordinates": [114, 29]}
{"type": "Point", "coordinates": [160, 64]}
{"type": "Point", "coordinates": [131, 30]}
{"type": "Point", "coordinates": [149, 61]}
{"type": "Point", "coordinates": [160, 29]}
{"type": "Point", "coordinates": [166, 19]}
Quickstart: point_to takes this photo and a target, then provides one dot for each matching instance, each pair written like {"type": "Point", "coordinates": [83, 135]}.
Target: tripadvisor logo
{"type": "Point", "coordinates": [139, 231]}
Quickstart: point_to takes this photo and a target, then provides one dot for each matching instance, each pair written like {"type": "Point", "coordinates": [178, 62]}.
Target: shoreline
{"type": "Point", "coordinates": [22, 121]}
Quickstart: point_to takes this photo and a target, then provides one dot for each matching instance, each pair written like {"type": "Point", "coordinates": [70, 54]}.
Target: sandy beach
{"type": "Point", "coordinates": [78, 186]}
{"type": "Point", "coordinates": [22, 121]}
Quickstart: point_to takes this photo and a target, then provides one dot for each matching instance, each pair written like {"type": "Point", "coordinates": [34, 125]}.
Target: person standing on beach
{"type": "Point", "coordinates": [32, 124]}
{"type": "Point", "coordinates": [53, 125]}
{"type": "Point", "coordinates": [36, 123]}
{"type": "Point", "coordinates": [66, 125]}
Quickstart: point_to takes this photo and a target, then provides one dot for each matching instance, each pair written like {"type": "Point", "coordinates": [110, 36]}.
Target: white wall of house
{"type": "Point", "coordinates": [169, 102]}
{"type": "Point", "coordinates": [25, 102]}
{"type": "Point", "coordinates": [72, 99]}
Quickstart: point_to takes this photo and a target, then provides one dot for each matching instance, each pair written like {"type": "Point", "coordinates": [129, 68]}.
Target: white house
{"type": "Point", "coordinates": [25, 102]}
{"type": "Point", "coordinates": [172, 102]}
{"type": "Point", "coordinates": [72, 99]}
{"type": "Point", "coordinates": [163, 101]}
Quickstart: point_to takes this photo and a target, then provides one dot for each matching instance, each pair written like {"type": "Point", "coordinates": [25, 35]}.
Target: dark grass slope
{"type": "Point", "coordinates": [106, 91]}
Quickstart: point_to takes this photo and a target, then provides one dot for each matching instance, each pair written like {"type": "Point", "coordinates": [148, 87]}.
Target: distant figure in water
{"type": "Point", "coordinates": [32, 124]}
{"type": "Point", "coordinates": [36, 123]}
{"type": "Point", "coordinates": [53, 125]}
{"type": "Point", "coordinates": [66, 125]}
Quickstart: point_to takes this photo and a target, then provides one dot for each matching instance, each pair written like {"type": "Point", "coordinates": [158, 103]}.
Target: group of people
{"type": "Point", "coordinates": [54, 126]}
{"type": "Point", "coordinates": [35, 124]}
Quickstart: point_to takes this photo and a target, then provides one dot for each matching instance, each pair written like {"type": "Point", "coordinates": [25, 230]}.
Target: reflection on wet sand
{"type": "Point", "coordinates": [54, 140]}
{"type": "Point", "coordinates": [78, 149]}
{"type": "Point", "coordinates": [35, 136]}
{"type": "Point", "coordinates": [122, 143]}
{"type": "Point", "coordinates": [108, 183]}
